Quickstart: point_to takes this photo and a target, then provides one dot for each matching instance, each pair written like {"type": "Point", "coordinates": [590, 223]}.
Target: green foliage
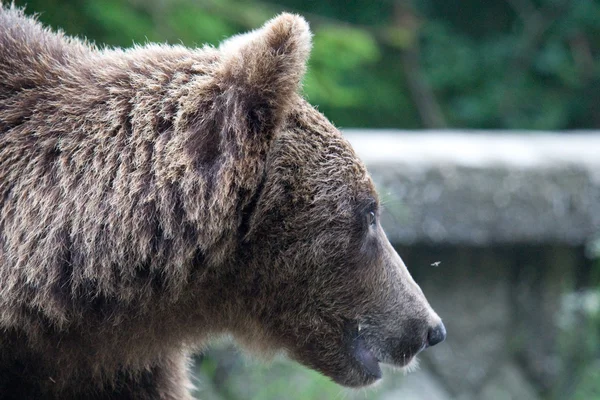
{"type": "Point", "coordinates": [188, 24]}
{"type": "Point", "coordinates": [338, 52]}
{"type": "Point", "coordinates": [589, 386]}
{"type": "Point", "coordinates": [121, 25]}
{"type": "Point", "coordinates": [494, 64]}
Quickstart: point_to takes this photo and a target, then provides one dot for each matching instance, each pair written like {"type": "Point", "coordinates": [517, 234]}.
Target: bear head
{"type": "Point", "coordinates": [316, 275]}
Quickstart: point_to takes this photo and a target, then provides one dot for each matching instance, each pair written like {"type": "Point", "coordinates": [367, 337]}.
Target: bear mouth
{"type": "Point", "coordinates": [370, 353]}
{"type": "Point", "coordinates": [366, 358]}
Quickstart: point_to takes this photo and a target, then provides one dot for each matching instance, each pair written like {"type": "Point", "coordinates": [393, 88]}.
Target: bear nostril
{"type": "Point", "coordinates": [436, 335]}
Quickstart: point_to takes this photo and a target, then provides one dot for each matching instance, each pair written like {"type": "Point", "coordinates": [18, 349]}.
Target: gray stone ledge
{"type": "Point", "coordinates": [481, 187]}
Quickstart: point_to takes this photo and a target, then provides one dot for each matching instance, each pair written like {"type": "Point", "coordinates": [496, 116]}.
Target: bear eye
{"type": "Point", "coordinates": [371, 218]}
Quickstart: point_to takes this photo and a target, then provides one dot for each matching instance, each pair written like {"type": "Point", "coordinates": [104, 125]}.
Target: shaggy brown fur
{"type": "Point", "coordinates": [153, 197]}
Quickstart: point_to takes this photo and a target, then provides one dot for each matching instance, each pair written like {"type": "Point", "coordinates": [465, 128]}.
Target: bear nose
{"type": "Point", "coordinates": [436, 334]}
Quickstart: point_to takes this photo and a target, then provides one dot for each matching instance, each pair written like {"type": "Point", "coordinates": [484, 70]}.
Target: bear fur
{"type": "Point", "coordinates": [155, 197]}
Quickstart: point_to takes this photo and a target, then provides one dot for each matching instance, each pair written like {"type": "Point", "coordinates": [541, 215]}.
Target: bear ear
{"type": "Point", "coordinates": [264, 67]}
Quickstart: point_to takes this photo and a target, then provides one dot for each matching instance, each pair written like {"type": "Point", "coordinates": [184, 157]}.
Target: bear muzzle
{"type": "Point", "coordinates": [370, 348]}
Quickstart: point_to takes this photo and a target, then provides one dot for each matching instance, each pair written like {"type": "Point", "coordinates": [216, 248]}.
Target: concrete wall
{"type": "Point", "coordinates": [481, 188]}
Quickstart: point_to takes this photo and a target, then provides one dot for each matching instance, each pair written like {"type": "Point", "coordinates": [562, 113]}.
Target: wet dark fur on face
{"type": "Point", "coordinates": [154, 197]}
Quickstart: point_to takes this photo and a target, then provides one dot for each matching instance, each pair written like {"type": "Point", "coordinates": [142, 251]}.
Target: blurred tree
{"type": "Point", "coordinates": [526, 64]}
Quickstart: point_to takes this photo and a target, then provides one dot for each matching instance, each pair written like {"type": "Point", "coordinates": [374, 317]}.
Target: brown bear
{"type": "Point", "coordinates": [155, 197]}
